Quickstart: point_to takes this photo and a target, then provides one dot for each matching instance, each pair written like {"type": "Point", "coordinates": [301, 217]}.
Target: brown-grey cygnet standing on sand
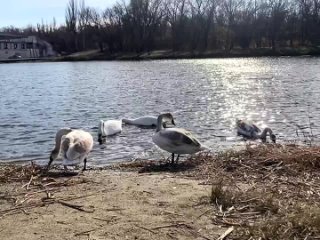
{"type": "Point", "coordinates": [74, 146]}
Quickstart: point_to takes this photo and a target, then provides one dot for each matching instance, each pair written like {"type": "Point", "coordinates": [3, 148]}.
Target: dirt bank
{"type": "Point", "coordinates": [263, 192]}
{"type": "Point", "coordinates": [111, 205]}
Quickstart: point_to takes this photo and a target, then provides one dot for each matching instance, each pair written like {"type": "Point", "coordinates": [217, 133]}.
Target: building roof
{"type": "Point", "coordinates": [10, 35]}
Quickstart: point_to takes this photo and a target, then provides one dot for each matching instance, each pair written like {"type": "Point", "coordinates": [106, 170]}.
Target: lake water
{"type": "Point", "coordinates": [205, 96]}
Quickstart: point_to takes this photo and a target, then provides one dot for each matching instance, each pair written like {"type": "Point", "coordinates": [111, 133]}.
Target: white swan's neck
{"type": "Point", "coordinates": [159, 123]}
{"type": "Point", "coordinates": [129, 121]}
{"type": "Point", "coordinates": [101, 130]}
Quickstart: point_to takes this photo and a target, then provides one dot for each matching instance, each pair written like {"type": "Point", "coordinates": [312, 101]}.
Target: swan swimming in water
{"type": "Point", "coordinates": [74, 146]}
{"type": "Point", "coordinates": [175, 140]}
{"type": "Point", "coordinates": [147, 121]}
{"type": "Point", "coordinates": [251, 131]}
{"type": "Point", "coordinates": [108, 128]}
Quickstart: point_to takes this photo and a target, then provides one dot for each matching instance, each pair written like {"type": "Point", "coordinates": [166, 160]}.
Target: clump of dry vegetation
{"type": "Point", "coordinates": [266, 191]}
{"type": "Point", "coordinates": [37, 188]}
{"type": "Point", "coordinates": [12, 172]}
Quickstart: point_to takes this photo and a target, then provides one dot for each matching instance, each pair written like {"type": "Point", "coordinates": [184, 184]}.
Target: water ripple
{"type": "Point", "coordinates": [205, 96]}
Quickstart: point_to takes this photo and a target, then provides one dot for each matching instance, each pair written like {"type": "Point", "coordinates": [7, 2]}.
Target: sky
{"type": "Point", "coordinates": [20, 13]}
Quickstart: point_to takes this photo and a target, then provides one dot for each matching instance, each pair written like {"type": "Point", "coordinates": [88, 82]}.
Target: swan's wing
{"type": "Point", "coordinates": [82, 141]}
{"type": "Point", "coordinates": [80, 147]}
{"type": "Point", "coordinates": [247, 127]}
{"type": "Point", "coordinates": [179, 136]}
{"type": "Point", "coordinates": [145, 121]}
{"type": "Point", "coordinates": [78, 150]}
{"type": "Point", "coordinates": [112, 127]}
{"type": "Point", "coordinates": [256, 129]}
{"type": "Point", "coordinates": [244, 132]}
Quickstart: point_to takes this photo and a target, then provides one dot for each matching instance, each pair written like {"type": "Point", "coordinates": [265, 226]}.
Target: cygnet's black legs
{"type": "Point", "coordinates": [172, 159]}
{"type": "Point", "coordinates": [177, 158]}
{"type": "Point", "coordinates": [84, 164]}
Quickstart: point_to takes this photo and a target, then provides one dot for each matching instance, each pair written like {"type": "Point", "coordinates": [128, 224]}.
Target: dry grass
{"type": "Point", "coordinates": [297, 222]}
{"type": "Point", "coordinates": [11, 172]}
{"type": "Point", "coordinates": [222, 196]}
{"type": "Point", "coordinates": [267, 191]}
{"type": "Point", "coordinates": [36, 187]}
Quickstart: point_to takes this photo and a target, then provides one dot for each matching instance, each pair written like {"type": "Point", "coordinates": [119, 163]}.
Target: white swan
{"type": "Point", "coordinates": [74, 145]}
{"type": "Point", "coordinates": [175, 140]}
{"type": "Point", "coordinates": [108, 128]}
{"type": "Point", "coordinates": [251, 131]}
{"type": "Point", "coordinates": [147, 121]}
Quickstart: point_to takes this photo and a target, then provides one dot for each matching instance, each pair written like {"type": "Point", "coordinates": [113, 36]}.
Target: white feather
{"type": "Point", "coordinates": [142, 121]}
{"type": "Point", "coordinates": [110, 127]}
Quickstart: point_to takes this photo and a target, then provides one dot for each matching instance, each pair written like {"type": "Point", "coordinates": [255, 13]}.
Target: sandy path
{"type": "Point", "coordinates": [126, 205]}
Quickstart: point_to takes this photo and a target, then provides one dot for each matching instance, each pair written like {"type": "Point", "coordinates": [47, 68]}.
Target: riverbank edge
{"type": "Point", "coordinates": [253, 192]}
{"type": "Point", "coordinates": [96, 55]}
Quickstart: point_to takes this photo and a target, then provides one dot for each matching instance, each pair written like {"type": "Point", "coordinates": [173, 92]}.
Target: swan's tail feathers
{"type": "Point", "coordinates": [204, 148]}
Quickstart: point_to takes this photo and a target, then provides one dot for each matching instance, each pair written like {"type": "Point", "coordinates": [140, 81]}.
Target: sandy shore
{"type": "Point", "coordinates": [262, 192]}
{"type": "Point", "coordinates": [114, 205]}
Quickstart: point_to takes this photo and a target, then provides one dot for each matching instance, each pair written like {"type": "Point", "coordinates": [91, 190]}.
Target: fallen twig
{"type": "Point", "coordinates": [205, 212]}
{"type": "Point", "coordinates": [147, 229]}
{"type": "Point", "coordinates": [172, 225]}
{"type": "Point", "coordinates": [226, 233]}
{"type": "Point", "coordinates": [104, 220]}
{"type": "Point", "coordinates": [85, 232]}
{"type": "Point", "coordinates": [74, 206]}
{"type": "Point", "coordinates": [225, 222]}
{"type": "Point", "coordinates": [28, 183]}
{"type": "Point", "coordinates": [114, 209]}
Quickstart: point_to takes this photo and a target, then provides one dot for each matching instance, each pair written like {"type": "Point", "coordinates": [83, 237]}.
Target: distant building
{"type": "Point", "coordinates": [31, 47]}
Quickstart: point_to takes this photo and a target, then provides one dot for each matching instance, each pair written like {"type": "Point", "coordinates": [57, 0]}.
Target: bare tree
{"type": "Point", "coordinates": [278, 13]}
{"type": "Point", "coordinates": [84, 15]}
{"type": "Point", "coordinates": [202, 15]}
{"type": "Point", "coordinates": [231, 9]}
{"type": "Point", "coordinates": [71, 21]}
{"type": "Point", "coordinates": [145, 25]}
{"type": "Point", "coordinates": [176, 16]}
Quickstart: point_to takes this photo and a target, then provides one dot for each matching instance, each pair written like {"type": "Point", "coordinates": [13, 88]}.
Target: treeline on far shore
{"type": "Point", "coordinates": [183, 25]}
